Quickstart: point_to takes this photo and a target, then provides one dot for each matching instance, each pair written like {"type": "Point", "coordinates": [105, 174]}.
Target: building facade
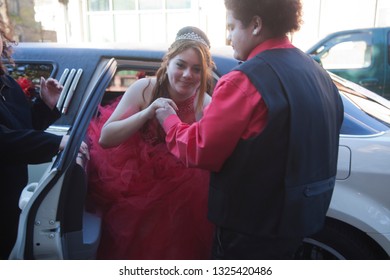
{"type": "Point", "coordinates": [129, 21]}
{"type": "Point", "coordinates": [157, 21]}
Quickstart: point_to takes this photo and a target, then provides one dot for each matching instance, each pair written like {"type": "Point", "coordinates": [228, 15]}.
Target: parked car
{"type": "Point", "coordinates": [359, 55]}
{"type": "Point", "coordinates": [55, 223]}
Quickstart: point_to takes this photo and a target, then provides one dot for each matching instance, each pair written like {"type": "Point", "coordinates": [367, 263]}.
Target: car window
{"type": "Point", "coordinates": [388, 48]}
{"type": "Point", "coordinates": [348, 55]}
{"type": "Point", "coordinates": [128, 72]}
{"type": "Point", "coordinates": [124, 77]}
{"type": "Point", "coordinates": [347, 52]}
{"type": "Point", "coordinates": [32, 71]}
{"type": "Point", "coordinates": [28, 76]}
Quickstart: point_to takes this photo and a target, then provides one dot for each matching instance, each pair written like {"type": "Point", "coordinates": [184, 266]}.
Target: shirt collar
{"type": "Point", "coordinates": [274, 43]}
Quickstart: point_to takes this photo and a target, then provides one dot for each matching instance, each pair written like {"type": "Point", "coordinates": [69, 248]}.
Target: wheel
{"type": "Point", "coordinates": [339, 241]}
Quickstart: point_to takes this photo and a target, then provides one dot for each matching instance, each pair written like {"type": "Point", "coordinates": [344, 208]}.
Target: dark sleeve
{"type": "Point", "coordinates": [42, 116]}
{"type": "Point", "coordinates": [26, 146]}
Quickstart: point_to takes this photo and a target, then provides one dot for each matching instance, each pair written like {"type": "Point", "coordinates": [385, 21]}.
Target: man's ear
{"type": "Point", "coordinates": [257, 24]}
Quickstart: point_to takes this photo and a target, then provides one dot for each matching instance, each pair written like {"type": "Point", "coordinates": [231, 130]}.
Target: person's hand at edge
{"type": "Point", "coordinates": [50, 91]}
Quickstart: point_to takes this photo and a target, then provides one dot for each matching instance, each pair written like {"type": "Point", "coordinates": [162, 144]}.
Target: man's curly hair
{"type": "Point", "coordinates": [278, 16]}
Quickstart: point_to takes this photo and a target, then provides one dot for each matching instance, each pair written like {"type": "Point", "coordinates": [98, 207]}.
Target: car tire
{"type": "Point", "coordinates": [338, 241]}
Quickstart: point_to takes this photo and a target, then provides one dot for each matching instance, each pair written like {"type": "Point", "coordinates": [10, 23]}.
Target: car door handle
{"type": "Point", "coordinates": [368, 82]}
{"type": "Point", "coordinates": [26, 194]}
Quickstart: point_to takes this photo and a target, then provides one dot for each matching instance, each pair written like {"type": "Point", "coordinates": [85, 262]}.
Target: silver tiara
{"type": "Point", "coordinates": [192, 36]}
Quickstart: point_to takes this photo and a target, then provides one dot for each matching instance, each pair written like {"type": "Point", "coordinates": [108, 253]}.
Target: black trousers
{"type": "Point", "coordinates": [9, 215]}
{"type": "Point", "coordinates": [231, 245]}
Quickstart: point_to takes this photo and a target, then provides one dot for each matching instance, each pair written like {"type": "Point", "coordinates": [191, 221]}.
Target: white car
{"type": "Point", "coordinates": [55, 224]}
{"type": "Point", "coordinates": [358, 220]}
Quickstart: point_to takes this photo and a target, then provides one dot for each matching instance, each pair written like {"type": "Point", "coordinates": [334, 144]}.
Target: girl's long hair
{"type": "Point", "coordinates": [206, 83]}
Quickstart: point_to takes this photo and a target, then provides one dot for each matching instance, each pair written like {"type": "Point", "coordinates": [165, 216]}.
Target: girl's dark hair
{"type": "Point", "coordinates": [6, 35]}
{"type": "Point", "coordinates": [279, 16]}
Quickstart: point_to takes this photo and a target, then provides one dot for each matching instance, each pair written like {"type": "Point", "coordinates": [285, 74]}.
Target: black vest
{"type": "Point", "coordinates": [280, 182]}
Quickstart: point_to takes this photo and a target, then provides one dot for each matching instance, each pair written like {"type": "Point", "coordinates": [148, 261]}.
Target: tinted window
{"type": "Point", "coordinates": [359, 122]}
{"type": "Point", "coordinates": [32, 71]}
{"type": "Point", "coordinates": [28, 75]}
{"type": "Point", "coordinates": [124, 78]}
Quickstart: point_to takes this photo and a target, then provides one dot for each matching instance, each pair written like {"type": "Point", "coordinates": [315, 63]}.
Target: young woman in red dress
{"type": "Point", "coordinates": [153, 207]}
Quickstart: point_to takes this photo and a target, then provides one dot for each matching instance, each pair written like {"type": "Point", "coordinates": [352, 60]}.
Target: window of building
{"type": "Point", "coordinates": [123, 5]}
{"type": "Point", "coordinates": [104, 31]}
{"type": "Point", "coordinates": [152, 29]}
{"type": "Point", "coordinates": [174, 4]}
{"type": "Point", "coordinates": [138, 21]}
{"type": "Point", "coordinates": [98, 5]}
{"type": "Point", "coordinates": [13, 7]}
{"type": "Point", "coordinates": [125, 28]}
{"type": "Point", "coordinates": [150, 4]}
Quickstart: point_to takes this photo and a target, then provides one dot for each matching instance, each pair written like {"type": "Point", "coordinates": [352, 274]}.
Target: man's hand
{"type": "Point", "coordinates": [164, 112]}
{"type": "Point", "coordinates": [159, 103]}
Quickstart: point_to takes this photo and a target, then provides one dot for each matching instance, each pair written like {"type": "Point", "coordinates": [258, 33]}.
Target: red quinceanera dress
{"type": "Point", "coordinates": [153, 207]}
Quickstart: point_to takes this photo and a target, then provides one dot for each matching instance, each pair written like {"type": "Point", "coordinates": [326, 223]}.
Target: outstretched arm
{"type": "Point", "coordinates": [131, 113]}
{"type": "Point", "coordinates": [208, 142]}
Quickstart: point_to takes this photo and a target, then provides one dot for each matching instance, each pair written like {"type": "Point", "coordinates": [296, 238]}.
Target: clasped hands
{"type": "Point", "coordinates": [164, 107]}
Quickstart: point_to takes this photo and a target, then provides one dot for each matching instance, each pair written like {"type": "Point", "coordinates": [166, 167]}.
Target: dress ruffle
{"type": "Point", "coordinates": [153, 206]}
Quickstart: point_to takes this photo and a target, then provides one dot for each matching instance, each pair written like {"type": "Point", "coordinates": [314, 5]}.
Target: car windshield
{"type": "Point", "coordinates": [365, 113]}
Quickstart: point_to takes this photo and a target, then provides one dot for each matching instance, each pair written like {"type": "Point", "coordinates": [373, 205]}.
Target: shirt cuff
{"type": "Point", "coordinates": [170, 122]}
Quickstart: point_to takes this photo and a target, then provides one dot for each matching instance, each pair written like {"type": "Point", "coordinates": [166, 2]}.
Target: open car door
{"type": "Point", "coordinates": [54, 222]}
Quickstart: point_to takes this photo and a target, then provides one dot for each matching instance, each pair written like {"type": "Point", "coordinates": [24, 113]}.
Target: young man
{"type": "Point", "coordinates": [270, 137]}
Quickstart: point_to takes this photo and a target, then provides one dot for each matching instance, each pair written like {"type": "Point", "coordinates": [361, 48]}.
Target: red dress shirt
{"type": "Point", "coordinates": [237, 111]}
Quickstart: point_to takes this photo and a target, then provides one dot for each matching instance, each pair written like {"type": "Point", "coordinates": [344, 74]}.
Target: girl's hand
{"type": "Point", "coordinates": [164, 112]}
{"type": "Point", "coordinates": [161, 103]}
